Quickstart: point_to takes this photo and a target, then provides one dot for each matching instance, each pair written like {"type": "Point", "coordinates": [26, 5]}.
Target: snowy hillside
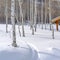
{"type": "Point", "coordinates": [40, 46]}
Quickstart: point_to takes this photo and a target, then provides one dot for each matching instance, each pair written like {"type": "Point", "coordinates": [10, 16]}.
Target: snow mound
{"type": "Point", "coordinates": [54, 51]}
{"type": "Point", "coordinates": [23, 52]}
{"type": "Point", "coordinates": [51, 54]}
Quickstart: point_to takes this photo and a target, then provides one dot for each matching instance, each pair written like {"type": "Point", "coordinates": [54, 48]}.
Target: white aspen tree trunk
{"type": "Point", "coordinates": [28, 11]}
{"type": "Point", "coordinates": [31, 16]}
{"type": "Point", "coordinates": [6, 14]}
{"type": "Point", "coordinates": [45, 13]}
{"type": "Point", "coordinates": [21, 13]}
{"type": "Point", "coordinates": [13, 23]}
{"type": "Point", "coordinates": [16, 15]}
{"type": "Point", "coordinates": [38, 13]}
{"type": "Point", "coordinates": [42, 14]}
{"type": "Point", "coordinates": [35, 15]}
{"type": "Point", "coordinates": [18, 25]}
{"type": "Point", "coordinates": [52, 31]}
{"type": "Point", "coordinates": [50, 13]}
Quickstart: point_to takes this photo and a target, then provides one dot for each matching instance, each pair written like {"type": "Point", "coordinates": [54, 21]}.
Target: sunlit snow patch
{"type": "Point", "coordinates": [50, 54]}
{"type": "Point", "coordinates": [54, 51]}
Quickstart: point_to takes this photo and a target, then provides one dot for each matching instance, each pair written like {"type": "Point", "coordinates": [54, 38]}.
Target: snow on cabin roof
{"type": "Point", "coordinates": [55, 19]}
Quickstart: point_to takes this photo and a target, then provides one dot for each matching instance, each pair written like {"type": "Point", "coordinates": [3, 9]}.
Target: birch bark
{"type": "Point", "coordinates": [13, 23]}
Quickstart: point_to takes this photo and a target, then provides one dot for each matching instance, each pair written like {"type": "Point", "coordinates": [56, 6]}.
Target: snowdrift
{"type": "Point", "coordinates": [52, 54]}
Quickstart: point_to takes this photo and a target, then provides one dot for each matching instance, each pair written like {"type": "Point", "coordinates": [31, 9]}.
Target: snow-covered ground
{"type": "Point", "coordinates": [41, 41]}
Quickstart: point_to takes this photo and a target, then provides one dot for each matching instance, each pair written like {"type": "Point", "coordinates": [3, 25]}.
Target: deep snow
{"type": "Point", "coordinates": [42, 42]}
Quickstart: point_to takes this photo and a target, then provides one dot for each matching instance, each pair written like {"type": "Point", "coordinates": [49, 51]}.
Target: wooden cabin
{"type": "Point", "coordinates": [56, 21]}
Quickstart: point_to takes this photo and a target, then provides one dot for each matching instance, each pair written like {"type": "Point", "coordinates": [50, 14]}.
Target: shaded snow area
{"type": "Point", "coordinates": [39, 46]}
{"type": "Point", "coordinates": [23, 52]}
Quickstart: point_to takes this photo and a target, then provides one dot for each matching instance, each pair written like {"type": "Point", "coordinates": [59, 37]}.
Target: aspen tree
{"type": "Point", "coordinates": [45, 12]}
{"type": "Point", "coordinates": [52, 31]}
{"type": "Point", "coordinates": [42, 13]}
{"type": "Point", "coordinates": [31, 16]}
{"type": "Point", "coordinates": [14, 44]}
{"type": "Point", "coordinates": [50, 13]}
{"type": "Point", "coordinates": [35, 15]}
{"type": "Point", "coordinates": [21, 13]}
{"type": "Point", "coordinates": [6, 14]}
{"type": "Point", "coordinates": [27, 7]}
{"type": "Point", "coordinates": [16, 16]}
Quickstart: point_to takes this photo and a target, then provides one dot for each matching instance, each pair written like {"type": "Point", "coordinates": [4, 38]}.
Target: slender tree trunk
{"type": "Point", "coordinates": [38, 13]}
{"type": "Point", "coordinates": [21, 13]}
{"type": "Point", "coordinates": [31, 16]}
{"type": "Point", "coordinates": [6, 14]}
{"type": "Point", "coordinates": [52, 31]}
{"type": "Point", "coordinates": [16, 15]}
{"type": "Point", "coordinates": [35, 15]}
{"type": "Point", "coordinates": [18, 25]}
{"type": "Point", "coordinates": [50, 13]}
{"type": "Point", "coordinates": [29, 12]}
{"type": "Point", "coordinates": [13, 23]}
{"type": "Point", "coordinates": [27, 9]}
{"type": "Point", "coordinates": [42, 13]}
{"type": "Point", "coordinates": [45, 12]}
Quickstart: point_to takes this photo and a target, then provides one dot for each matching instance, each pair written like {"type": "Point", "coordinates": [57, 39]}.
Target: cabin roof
{"type": "Point", "coordinates": [55, 19]}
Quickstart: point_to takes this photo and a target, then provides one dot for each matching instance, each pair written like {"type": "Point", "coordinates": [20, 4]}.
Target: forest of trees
{"type": "Point", "coordinates": [55, 9]}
